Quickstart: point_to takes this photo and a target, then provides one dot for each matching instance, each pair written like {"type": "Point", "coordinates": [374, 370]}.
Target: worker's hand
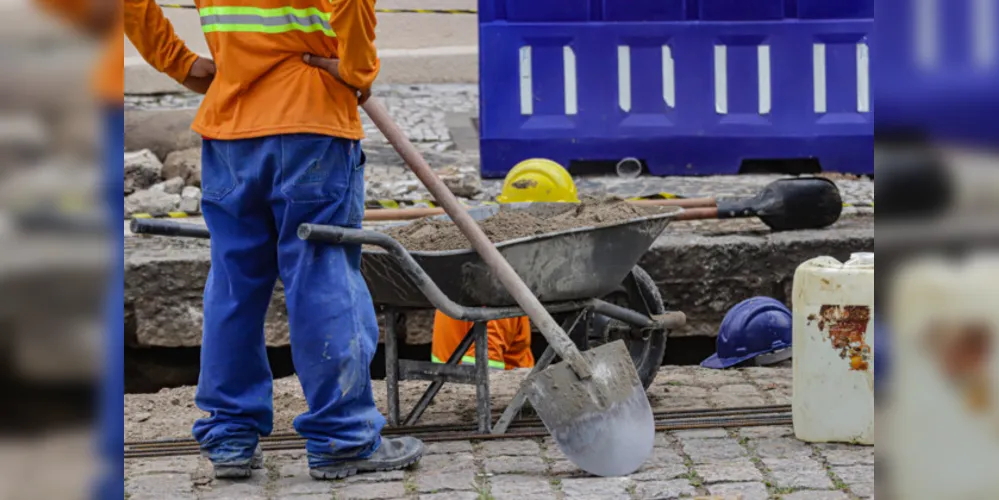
{"type": "Point", "coordinates": [332, 66]}
{"type": "Point", "coordinates": [200, 77]}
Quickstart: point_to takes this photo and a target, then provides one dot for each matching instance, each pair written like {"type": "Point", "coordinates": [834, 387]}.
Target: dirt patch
{"type": "Point", "coordinates": [440, 235]}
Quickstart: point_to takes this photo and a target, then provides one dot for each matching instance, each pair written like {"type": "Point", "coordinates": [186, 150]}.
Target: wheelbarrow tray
{"type": "Point", "coordinates": [574, 264]}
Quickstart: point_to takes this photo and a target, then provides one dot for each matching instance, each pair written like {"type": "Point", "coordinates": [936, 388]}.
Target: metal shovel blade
{"type": "Point", "coordinates": [603, 424]}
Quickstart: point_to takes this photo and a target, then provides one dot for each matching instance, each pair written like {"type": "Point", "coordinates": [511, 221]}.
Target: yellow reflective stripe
{"type": "Point", "coordinates": [257, 11]}
{"type": "Point", "coordinates": [258, 20]}
{"type": "Point", "coordinates": [470, 360]}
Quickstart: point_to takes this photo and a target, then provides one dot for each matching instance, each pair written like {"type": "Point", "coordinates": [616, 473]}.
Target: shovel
{"type": "Point", "coordinates": [592, 403]}
{"type": "Point", "coordinates": [783, 205]}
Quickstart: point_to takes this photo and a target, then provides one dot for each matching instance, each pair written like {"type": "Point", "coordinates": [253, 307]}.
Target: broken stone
{"type": "Point", "coordinates": [463, 182]}
{"type": "Point", "coordinates": [142, 170]}
{"type": "Point", "coordinates": [185, 164]}
{"type": "Point", "coordinates": [151, 202]}
{"type": "Point", "coordinates": [190, 200]}
{"type": "Point", "coordinates": [172, 186]}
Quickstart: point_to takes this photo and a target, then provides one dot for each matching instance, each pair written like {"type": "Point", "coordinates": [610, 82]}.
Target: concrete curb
{"type": "Point", "coordinates": [701, 274]}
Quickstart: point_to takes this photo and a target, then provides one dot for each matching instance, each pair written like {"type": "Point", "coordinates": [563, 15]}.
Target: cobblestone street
{"type": "Point", "coordinates": [757, 463]}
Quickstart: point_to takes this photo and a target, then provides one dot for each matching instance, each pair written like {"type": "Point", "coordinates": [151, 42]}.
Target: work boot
{"type": "Point", "coordinates": [237, 468]}
{"type": "Point", "coordinates": [393, 454]}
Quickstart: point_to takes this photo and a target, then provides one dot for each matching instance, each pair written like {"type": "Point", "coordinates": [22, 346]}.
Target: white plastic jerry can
{"type": "Point", "coordinates": [833, 350]}
{"type": "Point", "coordinates": [941, 424]}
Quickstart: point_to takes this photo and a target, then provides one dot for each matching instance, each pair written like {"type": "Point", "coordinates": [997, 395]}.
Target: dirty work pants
{"type": "Point", "coordinates": [256, 192]}
{"type": "Point", "coordinates": [112, 439]}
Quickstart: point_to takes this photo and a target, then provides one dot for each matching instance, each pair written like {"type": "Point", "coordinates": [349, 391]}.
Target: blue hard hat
{"type": "Point", "coordinates": [753, 327]}
{"type": "Point", "coordinates": [882, 359]}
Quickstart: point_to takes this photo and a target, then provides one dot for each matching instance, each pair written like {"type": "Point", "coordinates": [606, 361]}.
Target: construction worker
{"type": "Point", "coordinates": [281, 146]}
{"type": "Point", "coordinates": [533, 180]}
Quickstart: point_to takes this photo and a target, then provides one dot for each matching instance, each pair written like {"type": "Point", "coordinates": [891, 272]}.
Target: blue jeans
{"type": "Point", "coordinates": [112, 439]}
{"type": "Point", "coordinates": [256, 192]}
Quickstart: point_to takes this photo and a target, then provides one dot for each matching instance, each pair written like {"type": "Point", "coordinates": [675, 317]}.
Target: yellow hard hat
{"type": "Point", "coordinates": [538, 180]}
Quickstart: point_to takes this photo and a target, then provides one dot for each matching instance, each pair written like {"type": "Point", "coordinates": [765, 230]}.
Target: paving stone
{"type": "Point", "coordinates": [664, 456]}
{"type": "Point", "coordinates": [565, 468]}
{"type": "Point", "coordinates": [798, 473]}
{"type": "Point", "coordinates": [863, 490]}
{"type": "Point", "coordinates": [729, 472]}
{"type": "Point", "coordinates": [664, 490]}
{"type": "Point", "coordinates": [449, 447]}
{"type": "Point", "coordinates": [768, 432]}
{"type": "Point", "coordinates": [848, 455]}
{"type": "Point", "coordinates": [780, 448]}
{"type": "Point", "coordinates": [664, 440]}
{"type": "Point", "coordinates": [515, 465]}
{"type": "Point", "coordinates": [173, 465]}
{"type": "Point", "coordinates": [855, 474]}
{"type": "Point", "coordinates": [157, 486]}
{"type": "Point", "coordinates": [294, 468]}
{"type": "Point", "coordinates": [521, 488]}
{"type": "Point", "coordinates": [433, 482]}
{"type": "Point", "coordinates": [816, 495]}
{"type": "Point", "coordinates": [511, 448]}
{"type": "Point", "coordinates": [713, 450]}
{"type": "Point", "coordinates": [232, 490]}
{"type": "Point", "coordinates": [661, 472]}
{"type": "Point", "coordinates": [371, 491]}
{"type": "Point", "coordinates": [701, 434]}
{"type": "Point", "coordinates": [303, 485]}
{"type": "Point", "coordinates": [749, 491]}
{"type": "Point", "coordinates": [596, 488]}
{"type": "Point", "coordinates": [453, 495]}
{"type": "Point", "coordinates": [447, 463]}
{"type": "Point", "coordinates": [377, 477]}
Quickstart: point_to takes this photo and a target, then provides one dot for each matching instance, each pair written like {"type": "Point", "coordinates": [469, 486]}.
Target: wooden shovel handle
{"type": "Point", "coordinates": [385, 214]}
{"type": "Point", "coordinates": [557, 338]}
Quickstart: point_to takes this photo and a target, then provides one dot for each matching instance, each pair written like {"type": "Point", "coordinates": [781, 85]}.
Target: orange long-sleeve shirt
{"type": "Point", "coordinates": [262, 86]}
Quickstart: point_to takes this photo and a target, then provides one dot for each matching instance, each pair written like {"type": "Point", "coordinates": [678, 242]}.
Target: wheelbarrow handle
{"type": "Point", "coordinates": [167, 228]}
{"type": "Point", "coordinates": [557, 338]}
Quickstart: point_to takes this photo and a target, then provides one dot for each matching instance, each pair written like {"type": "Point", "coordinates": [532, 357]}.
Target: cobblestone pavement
{"type": "Point", "coordinates": [755, 462]}
{"type": "Point", "coordinates": [421, 112]}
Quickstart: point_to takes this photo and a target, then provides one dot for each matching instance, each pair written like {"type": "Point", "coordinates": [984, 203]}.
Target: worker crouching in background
{"type": "Point", "coordinates": [531, 181]}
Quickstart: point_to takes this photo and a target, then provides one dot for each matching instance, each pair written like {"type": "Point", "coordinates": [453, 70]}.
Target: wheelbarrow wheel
{"type": "Point", "coordinates": [647, 347]}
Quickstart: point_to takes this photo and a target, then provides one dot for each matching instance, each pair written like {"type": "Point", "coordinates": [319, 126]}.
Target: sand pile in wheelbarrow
{"type": "Point", "coordinates": [438, 235]}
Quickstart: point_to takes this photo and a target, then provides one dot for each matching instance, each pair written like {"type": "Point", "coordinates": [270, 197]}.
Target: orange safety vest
{"type": "Point", "coordinates": [262, 87]}
{"type": "Point", "coordinates": [509, 341]}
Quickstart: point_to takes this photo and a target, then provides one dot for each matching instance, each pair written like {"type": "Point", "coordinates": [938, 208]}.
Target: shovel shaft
{"type": "Point", "coordinates": [697, 214]}
{"type": "Point", "coordinates": [480, 242]}
{"type": "Point", "coordinates": [384, 214]}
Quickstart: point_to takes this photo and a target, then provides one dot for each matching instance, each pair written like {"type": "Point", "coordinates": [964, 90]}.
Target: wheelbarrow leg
{"type": "Point", "coordinates": [392, 367]}
{"type": "Point", "coordinates": [482, 407]}
{"type": "Point", "coordinates": [436, 385]}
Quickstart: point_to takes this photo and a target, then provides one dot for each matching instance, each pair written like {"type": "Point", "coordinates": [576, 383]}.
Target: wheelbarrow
{"type": "Point", "coordinates": [587, 276]}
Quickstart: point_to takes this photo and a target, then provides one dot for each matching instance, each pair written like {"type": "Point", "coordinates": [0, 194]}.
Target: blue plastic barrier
{"type": "Point", "coordinates": [940, 70]}
{"type": "Point", "coordinates": [690, 87]}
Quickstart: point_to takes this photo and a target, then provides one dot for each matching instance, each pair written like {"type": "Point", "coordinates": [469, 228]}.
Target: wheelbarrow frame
{"type": "Point", "coordinates": [451, 371]}
{"type": "Point", "coordinates": [438, 374]}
